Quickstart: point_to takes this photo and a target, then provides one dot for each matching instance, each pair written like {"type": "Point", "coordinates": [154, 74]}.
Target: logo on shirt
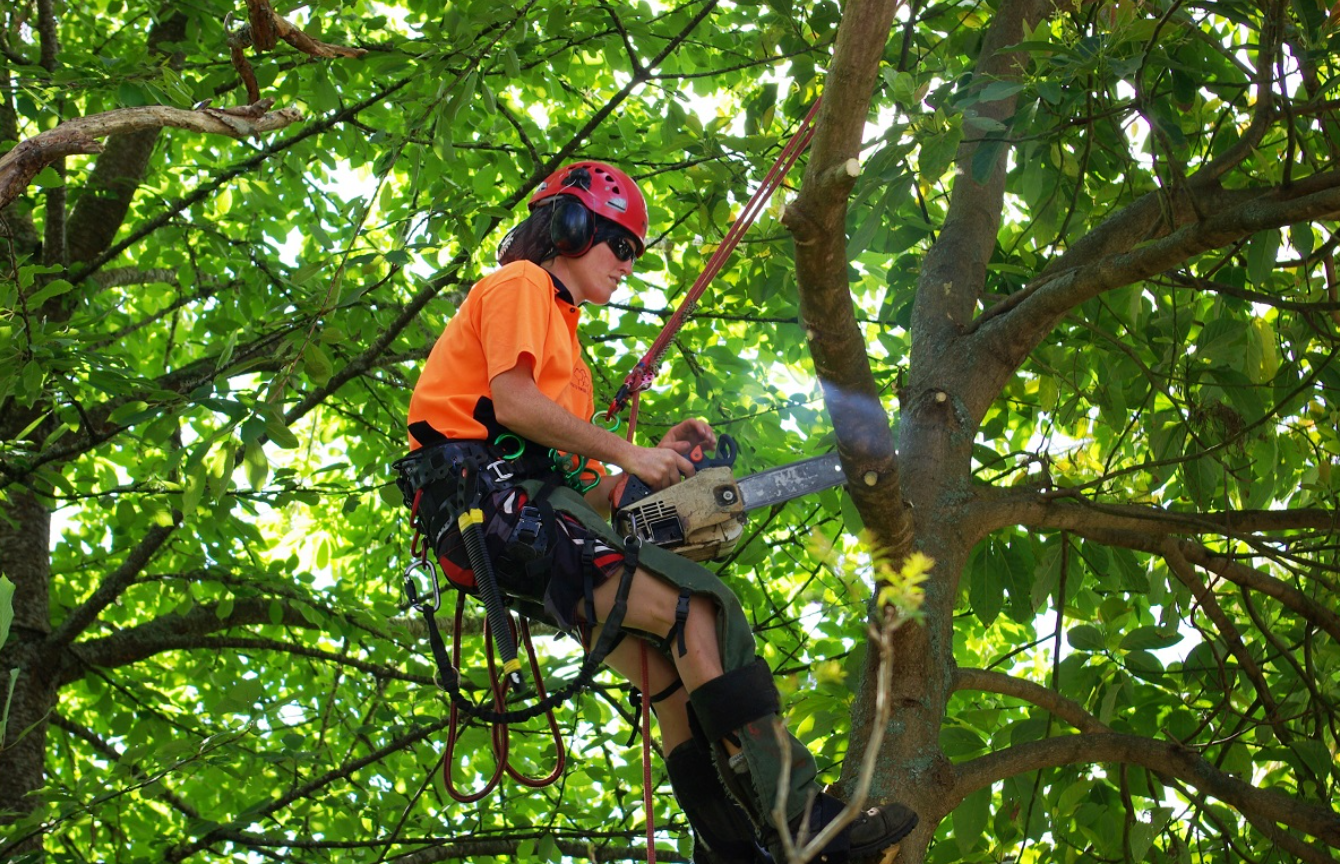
{"type": "Point", "coordinates": [581, 379]}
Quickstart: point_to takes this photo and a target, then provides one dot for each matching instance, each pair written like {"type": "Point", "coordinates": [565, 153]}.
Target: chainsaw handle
{"type": "Point", "coordinates": [634, 489]}
{"type": "Point", "coordinates": [723, 456]}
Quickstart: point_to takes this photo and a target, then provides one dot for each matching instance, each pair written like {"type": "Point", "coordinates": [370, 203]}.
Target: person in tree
{"type": "Point", "coordinates": [508, 371]}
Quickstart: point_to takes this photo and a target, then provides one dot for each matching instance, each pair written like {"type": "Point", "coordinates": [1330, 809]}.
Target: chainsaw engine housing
{"type": "Point", "coordinates": [701, 517]}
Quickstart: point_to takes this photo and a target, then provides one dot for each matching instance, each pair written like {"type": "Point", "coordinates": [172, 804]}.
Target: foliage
{"type": "Point", "coordinates": [208, 385]}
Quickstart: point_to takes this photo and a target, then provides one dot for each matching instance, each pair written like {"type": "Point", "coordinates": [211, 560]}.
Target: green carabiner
{"type": "Point", "coordinates": [584, 486]}
{"type": "Point", "coordinates": [612, 425]}
{"type": "Point", "coordinates": [572, 467]}
{"type": "Point", "coordinates": [520, 445]}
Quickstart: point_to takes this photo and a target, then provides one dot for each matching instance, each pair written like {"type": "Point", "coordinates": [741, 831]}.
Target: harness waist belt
{"type": "Point", "coordinates": [448, 460]}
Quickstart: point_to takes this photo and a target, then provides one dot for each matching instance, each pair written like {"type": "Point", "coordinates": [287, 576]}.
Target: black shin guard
{"type": "Point", "coordinates": [740, 707]}
{"type": "Point", "coordinates": [723, 833]}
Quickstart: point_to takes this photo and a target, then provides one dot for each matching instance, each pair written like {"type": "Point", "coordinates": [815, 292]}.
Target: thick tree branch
{"type": "Point", "coordinates": [954, 273]}
{"type": "Point", "coordinates": [999, 508]}
{"type": "Point", "coordinates": [113, 651]}
{"type": "Point", "coordinates": [1138, 243]}
{"type": "Point", "coordinates": [20, 165]}
{"type": "Point", "coordinates": [1145, 529]}
{"type": "Point", "coordinates": [1300, 849]}
{"type": "Point", "coordinates": [986, 681]}
{"type": "Point", "coordinates": [1257, 805]}
{"type": "Point", "coordinates": [817, 221]}
{"type": "Point", "coordinates": [175, 632]}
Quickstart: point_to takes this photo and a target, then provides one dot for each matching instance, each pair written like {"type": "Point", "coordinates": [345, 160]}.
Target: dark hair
{"type": "Point", "coordinates": [530, 239]}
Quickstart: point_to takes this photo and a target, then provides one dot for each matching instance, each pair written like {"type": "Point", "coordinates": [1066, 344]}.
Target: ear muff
{"type": "Point", "coordinates": [571, 227]}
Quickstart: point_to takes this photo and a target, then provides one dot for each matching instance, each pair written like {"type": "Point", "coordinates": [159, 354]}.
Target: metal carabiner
{"type": "Point", "coordinates": [411, 587]}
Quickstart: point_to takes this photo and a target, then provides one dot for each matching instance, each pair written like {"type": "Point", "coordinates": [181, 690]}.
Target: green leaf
{"type": "Point", "coordinates": [1086, 637]}
{"type": "Point", "coordinates": [49, 178]}
{"type": "Point", "coordinates": [986, 586]}
{"type": "Point", "coordinates": [1149, 637]}
{"type": "Point", "coordinates": [970, 818]}
{"type": "Point", "coordinates": [1262, 250]}
{"type": "Point", "coordinates": [998, 90]}
{"type": "Point", "coordinates": [278, 430]}
{"type": "Point", "coordinates": [54, 288]}
{"type": "Point", "coordinates": [6, 608]}
{"type": "Point", "coordinates": [1316, 756]}
{"type": "Point", "coordinates": [317, 364]}
{"type": "Point", "coordinates": [986, 158]}
{"type": "Point", "coordinates": [256, 464]}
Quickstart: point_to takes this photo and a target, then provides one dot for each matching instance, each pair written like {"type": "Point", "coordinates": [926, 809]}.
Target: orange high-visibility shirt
{"type": "Point", "coordinates": [517, 311]}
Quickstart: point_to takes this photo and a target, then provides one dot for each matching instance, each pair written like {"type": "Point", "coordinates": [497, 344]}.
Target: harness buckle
{"type": "Point", "coordinates": [498, 468]}
{"type": "Point", "coordinates": [411, 587]}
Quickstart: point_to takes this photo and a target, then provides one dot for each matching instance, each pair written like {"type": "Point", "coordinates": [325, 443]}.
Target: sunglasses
{"type": "Point", "coordinates": [623, 248]}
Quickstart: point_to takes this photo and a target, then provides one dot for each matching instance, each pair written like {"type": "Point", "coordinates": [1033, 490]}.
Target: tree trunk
{"type": "Point", "coordinates": [25, 539]}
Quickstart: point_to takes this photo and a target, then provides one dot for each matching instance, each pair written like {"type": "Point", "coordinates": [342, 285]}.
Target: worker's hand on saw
{"type": "Point", "coordinates": [658, 467]}
{"type": "Point", "coordinates": [687, 435]}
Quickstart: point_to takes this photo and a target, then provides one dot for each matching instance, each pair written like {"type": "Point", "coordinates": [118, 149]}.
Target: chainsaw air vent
{"type": "Point", "coordinates": [656, 522]}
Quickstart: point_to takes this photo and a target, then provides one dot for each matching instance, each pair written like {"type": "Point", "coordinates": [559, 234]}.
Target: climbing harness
{"type": "Point", "coordinates": [422, 478]}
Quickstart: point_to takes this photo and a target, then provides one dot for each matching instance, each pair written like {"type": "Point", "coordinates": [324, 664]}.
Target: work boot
{"type": "Point", "coordinates": [742, 707]}
{"type": "Point", "coordinates": [873, 835]}
{"type": "Point", "coordinates": [722, 832]}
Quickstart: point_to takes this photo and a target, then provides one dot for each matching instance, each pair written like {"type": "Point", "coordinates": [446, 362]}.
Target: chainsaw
{"type": "Point", "coordinates": [703, 516]}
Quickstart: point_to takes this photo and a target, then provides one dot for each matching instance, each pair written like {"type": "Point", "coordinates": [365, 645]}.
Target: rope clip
{"type": "Point", "coordinates": [411, 586]}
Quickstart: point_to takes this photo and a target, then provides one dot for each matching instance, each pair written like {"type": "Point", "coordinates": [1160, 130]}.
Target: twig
{"type": "Point", "coordinates": [797, 849]}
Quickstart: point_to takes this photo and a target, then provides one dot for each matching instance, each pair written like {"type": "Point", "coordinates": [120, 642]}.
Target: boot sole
{"type": "Point", "coordinates": [892, 845]}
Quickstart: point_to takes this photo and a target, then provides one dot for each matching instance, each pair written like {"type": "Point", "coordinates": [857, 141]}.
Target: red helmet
{"type": "Point", "coordinates": [604, 189]}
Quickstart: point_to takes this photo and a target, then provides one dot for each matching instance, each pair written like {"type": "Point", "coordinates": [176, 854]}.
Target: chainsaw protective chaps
{"type": "Point", "coordinates": [743, 703]}
{"type": "Point", "coordinates": [723, 833]}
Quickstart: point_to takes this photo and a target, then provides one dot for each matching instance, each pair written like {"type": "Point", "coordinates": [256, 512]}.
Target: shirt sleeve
{"type": "Point", "coordinates": [514, 323]}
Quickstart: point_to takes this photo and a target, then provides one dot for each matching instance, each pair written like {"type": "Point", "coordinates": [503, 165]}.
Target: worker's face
{"type": "Point", "coordinates": [599, 272]}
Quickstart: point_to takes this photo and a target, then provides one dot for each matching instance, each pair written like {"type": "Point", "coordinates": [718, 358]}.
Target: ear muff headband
{"type": "Point", "coordinates": [571, 227]}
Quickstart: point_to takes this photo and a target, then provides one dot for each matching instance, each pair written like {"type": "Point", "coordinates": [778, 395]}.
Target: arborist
{"type": "Point", "coordinates": [503, 400]}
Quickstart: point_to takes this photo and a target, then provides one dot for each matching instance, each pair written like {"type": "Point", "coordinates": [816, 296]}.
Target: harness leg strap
{"type": "Point", "coordinates": [681, 620]}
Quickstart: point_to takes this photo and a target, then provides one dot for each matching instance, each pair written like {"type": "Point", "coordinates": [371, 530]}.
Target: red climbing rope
{"type": "Point", "coordinates": [647, 802]}
{"type": "Point", "coordinates": [641, 377]}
